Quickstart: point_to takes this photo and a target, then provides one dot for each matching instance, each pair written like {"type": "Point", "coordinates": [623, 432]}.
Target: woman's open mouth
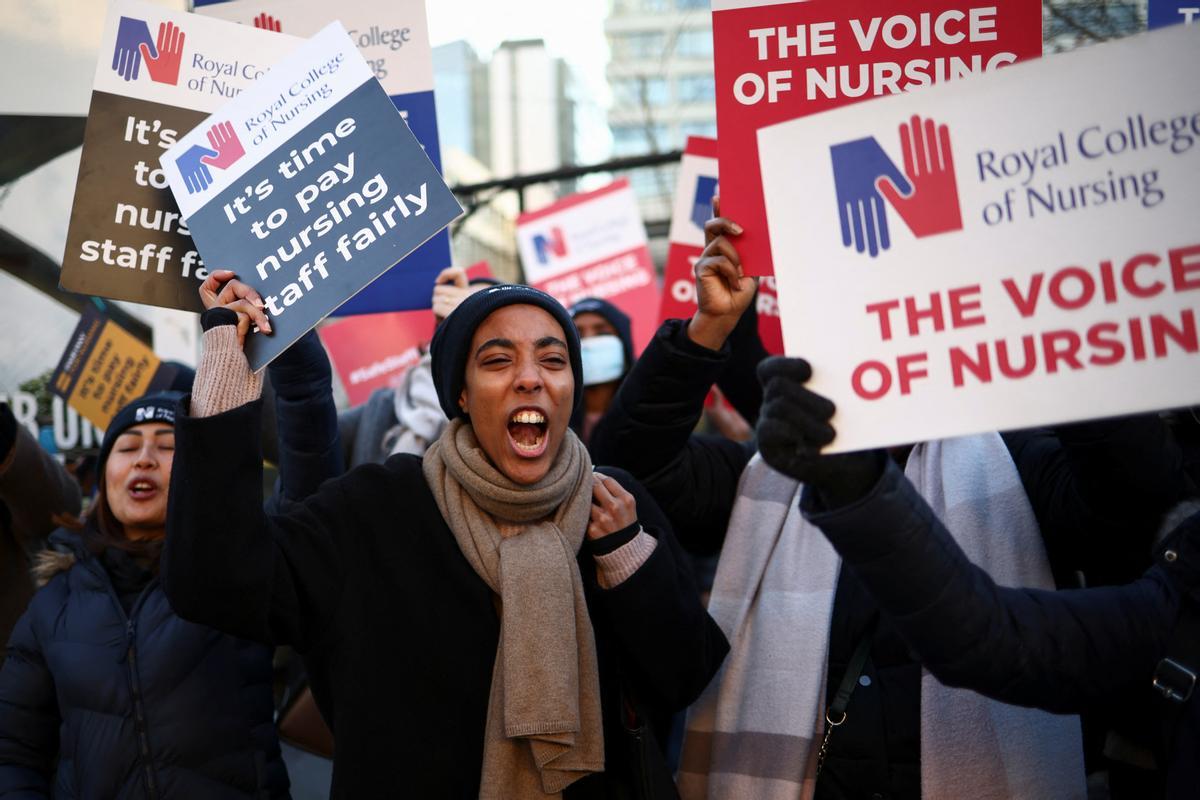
{"type": "Point", "coordinates": [142, 489]}
{"type": "Point", "coordinates": [527, 432]}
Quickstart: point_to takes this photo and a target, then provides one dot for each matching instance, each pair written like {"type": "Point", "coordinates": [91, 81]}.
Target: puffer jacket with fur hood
{"type": "Point", "coordinates": [138, 705]}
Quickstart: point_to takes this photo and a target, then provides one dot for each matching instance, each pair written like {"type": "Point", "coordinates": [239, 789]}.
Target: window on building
{"type": "Point", "coordinates": [652, 182]}
{"type": "Point", "coordinates": [632, 140]}
{"type": "Point", "coordinates": [708, 129]}
{"type": "Point", "coordinates": [640, 90]}
{"type": "Point", "coordinates": [695, 88]}
{"type": "Point", "coordinates": [694, 44]}
{"type": "Point", "coordinates": [640, 44]}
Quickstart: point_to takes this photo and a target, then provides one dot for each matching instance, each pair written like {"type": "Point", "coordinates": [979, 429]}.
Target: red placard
{"type": "Point", "coordinates": [693, 197]}
{"type": "Point", "coordinates": [778, 61]}
{"type": "Point", "coordinates": [593, 244]}
{"type": "Point", "coordinates": [370, 351]}
{"type": "Point", "coordinates": [480, 269]}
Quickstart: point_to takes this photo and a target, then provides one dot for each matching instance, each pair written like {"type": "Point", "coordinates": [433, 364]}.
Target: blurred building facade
{"type": "Point", "coordinates": [532, 116]}
{"type": "Point", "coordinates": [661, 75]}
{"type": "Point", "coordinates": [511, 115]}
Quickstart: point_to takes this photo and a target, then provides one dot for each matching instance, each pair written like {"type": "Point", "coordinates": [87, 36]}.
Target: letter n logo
{"type": "Point", "coordinates": [555, 244]}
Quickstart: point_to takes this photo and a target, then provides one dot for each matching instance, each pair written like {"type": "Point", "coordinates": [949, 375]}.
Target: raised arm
{"type": "Point", "coordinates": [1059, 651]}
{"type": "Point", "coordinates": [226, 563]}
{"type": "Point", "coordinates": [310, 451]}
{"type": "Point", "coordinates": [648, 428]}
{"type": "Point", "coordinates": [1055, 650]}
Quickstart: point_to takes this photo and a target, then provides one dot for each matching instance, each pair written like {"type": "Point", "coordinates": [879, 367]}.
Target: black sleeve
{"type": "Point", "coordinates": [226, 563]}
{"type": "Point", "coordinates": [1057, 651]}
{"type": "Point", "coordinates": [29, 718]}
{"type": "Point", "coordinates": [348, 422]}
{"type": "Point", "coordinates": [648, 431]}
{"type": "Point", "coordinates": [739, 380]}
{"type": "Point", "coordinates": [670, 646]}
{"type": "Point", "coordinates": [1099, 490]}
{"type": "Point", "coordinates": [34, 487]}
{"type": "Point", "coordinates": [309, 448]}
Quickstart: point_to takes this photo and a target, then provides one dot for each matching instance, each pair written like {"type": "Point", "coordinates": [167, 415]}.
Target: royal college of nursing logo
{"type": "Point", "coordinates": [551, 244]}
{"type": "Point", "coordinates": [225, 151]}
{"type": "Point", "coordinates": [162, 56]}
{"type": "Point", "coordinates": [925, 194]}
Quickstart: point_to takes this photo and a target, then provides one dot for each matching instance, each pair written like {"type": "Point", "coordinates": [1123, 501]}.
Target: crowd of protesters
{"type": "Point", "coordinates": [485, 579]}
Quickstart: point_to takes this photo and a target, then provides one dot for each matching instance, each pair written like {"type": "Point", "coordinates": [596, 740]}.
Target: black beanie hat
{"type": "Point", "coordinates": [615, 317]}
{"type": "Point", "coordinates": [148, 408]}
{"type": "Point", "coordinates": [452, 342]}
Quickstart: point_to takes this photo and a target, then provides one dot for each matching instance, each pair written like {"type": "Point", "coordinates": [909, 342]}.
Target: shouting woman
{"type": "Point", "coordinates": [484, 616]}
{"type": "Point", "coordinates": [106, 692]}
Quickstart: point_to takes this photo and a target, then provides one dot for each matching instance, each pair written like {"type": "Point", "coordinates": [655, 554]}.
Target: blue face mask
{"type": "Point", "coordinates": [603, 359]}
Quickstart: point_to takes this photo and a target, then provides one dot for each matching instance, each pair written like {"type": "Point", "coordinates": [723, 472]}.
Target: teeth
{"type": "Point", "coordinates": [529, 448]}
{"type": "Point", "coordinates": [529, 417]}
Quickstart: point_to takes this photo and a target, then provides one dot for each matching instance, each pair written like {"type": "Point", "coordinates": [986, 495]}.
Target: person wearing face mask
{"type": "Point", "coordinates": [485, 612]}
{"type": "Point", "coordinates": [606, 348]}
{"type": "Point", "coordinates": [106, 692]}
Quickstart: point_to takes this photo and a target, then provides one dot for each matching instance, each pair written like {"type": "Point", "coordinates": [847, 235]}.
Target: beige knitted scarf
{"type": "Point", "coordinates": [543, 722]}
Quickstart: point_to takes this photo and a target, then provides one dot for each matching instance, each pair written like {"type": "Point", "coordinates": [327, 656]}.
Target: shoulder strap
{"type": "Point", "coordinates": [1176, 674]}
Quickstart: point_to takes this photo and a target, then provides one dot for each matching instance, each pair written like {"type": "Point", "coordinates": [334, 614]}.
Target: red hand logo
{"type": "Point", "coordinates": [224, 140]}
{"type": "Point", "coordinates": [932, 207]}
{"type": "Point", "coordinates": [165, 67]}
{"type": "Point", "coordinates": [267, 23]}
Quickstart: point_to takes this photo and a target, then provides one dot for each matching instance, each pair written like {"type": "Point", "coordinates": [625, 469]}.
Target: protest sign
{"type": "Point", "coordinates": [777, 61]}
{"type": "Point", "coordinates": [373, 350]}
{"type": "Point", "coordinates": [159, 74]}
{"type": "Point", "coordinates": [393, 37]}
{"type": "Point", "coordinates": [104, 367]}
{"type": "Point", "coordinates": [317, 187]}
{"type": "Point", "coordinates": [695, 186]}
{"type": "Point", "coordinates": [61, 431]}
{"type": "Point", "coordinates": [593, 244]}
{"type": "Point", "coordinates": [480, 269]}
{"type": "Point", "coordinates": [1161, 13]}
{"type": "Point", "coordinates": [1017, 249]}
{"type": "Point", "coordinates": [694, 189]}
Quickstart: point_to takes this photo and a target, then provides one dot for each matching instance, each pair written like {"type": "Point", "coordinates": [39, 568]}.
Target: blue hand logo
{"type": "Point", "coordinates": [127, 56]}
{"type": "Point", "coordinates": [857, 165]}
{"type": "Point", "coordinates": [196, 176]}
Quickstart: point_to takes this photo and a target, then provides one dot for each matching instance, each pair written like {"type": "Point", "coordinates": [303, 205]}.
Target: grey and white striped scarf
{"type": "Point", "coordinates": [756, 730]}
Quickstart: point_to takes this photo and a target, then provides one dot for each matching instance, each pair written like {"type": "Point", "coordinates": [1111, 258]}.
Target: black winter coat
{"type": "Point", "coordinates": [1095, 489]}
{"type": "Point", "coordinates": [138, 705]}
{"type": "Point", "coordinates": [367, 580]}
{"type": "Point", "coordinates": [1059, 651]}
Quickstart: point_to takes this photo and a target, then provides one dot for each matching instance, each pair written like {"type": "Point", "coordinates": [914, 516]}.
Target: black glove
{"type": "Point", "coordinates": [794, 426]}
{"type": "Point", "coordinates": [215, 317]}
